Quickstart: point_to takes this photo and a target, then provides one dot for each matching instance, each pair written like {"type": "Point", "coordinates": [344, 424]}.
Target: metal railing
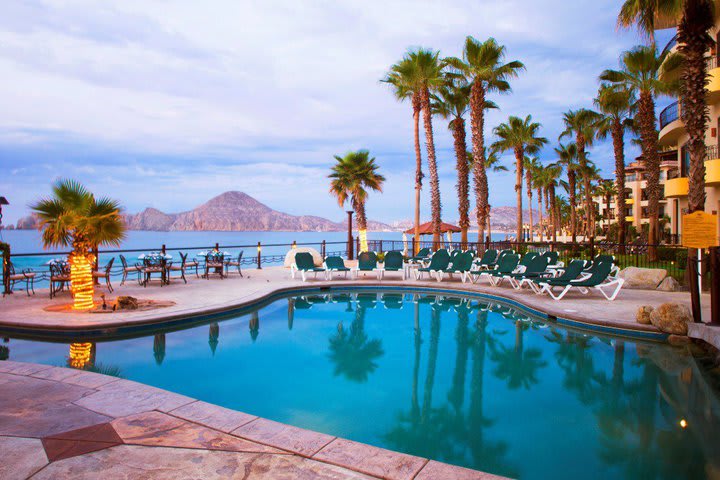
{"type": "Point", "coordinates": [669, 114]}
{"type": "Point", "coordinates": [711, 152]}
{"type": "Point", "coordinates": [711, 62]}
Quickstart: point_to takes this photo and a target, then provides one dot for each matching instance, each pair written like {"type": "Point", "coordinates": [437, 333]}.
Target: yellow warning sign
{"type": "Point", "coordinates": [699, 230]}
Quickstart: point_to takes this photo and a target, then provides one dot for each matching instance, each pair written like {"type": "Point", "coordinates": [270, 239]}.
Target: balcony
{"type": "Point", "coordinates": [671, 127]}
{"type": "Point", "coordinates": [676, 187]}
{"type": "Point", "coordinates": [629, 201]}
{"type": "Point", "coordinates": [713, 86]}
{"type": "Point", "coordinates": [712, 172]}
{"type": "Point", "coordinates": [630, 219]}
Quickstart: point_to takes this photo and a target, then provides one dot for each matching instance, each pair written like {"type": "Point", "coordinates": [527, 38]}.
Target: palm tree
{"type": "Point", "coordinates": [592, 173]}
{"type": "Point", "coordinates": [403, 78]}
{"type": "Point", "coordinates": [492, 163]}
{"type": "Point", "coordinates": [552, 174]}
{"type": "Point", "coordinates": [696, 19]}
{"type": "Point", "coordinates": [531, 168]}
{"type": "Point", "coordinates": [540, 181]}
{"type": "Point", "coordinates": [520, 136]}
{"type": "Point", "coordinates": [639, 73]}
{"type": "Point", "coordinates": [483, 68]}
{"type": "Point", "coordinates": [568, 160]}
{"type": "Point", "coordinates": [606, 189]}
{"type": "Point", "coordinates": [451, 102]}
{"type": "Point", "coordinates": [582, 124]}
{"type": "Point", "coordinates": [615, 106]}
{"type": "Point", "coordinates": [74, 217]}
{"type": "Point", "coordinates": [351, 178]}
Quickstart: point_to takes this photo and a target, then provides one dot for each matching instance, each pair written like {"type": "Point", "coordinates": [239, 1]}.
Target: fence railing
{"type": "Point", "coordinates": [669, 114]}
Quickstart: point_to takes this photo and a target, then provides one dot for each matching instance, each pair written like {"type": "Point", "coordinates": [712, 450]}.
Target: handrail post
{"type": "Point", "coordinates": [6, 269]}
{"type": "Point", "coordinates": [380, 249]}
{"type": "Point", "coordinates": [217, 246]}
{"type": "Point", "coordinates": [357, 244]}
{"type": "Point", "coordinates": [162, 249]}
{"type": "Point", "coordinates": [322, 249]}
{"type": "Point", "coordinates": [259, 258]}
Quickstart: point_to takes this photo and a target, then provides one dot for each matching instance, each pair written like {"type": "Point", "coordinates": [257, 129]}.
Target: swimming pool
{"type": "Point", "coordinates": [464, 380]}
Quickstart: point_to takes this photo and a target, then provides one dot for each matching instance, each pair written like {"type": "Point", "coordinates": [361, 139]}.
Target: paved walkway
{"type": "Point", "coordinates": [64, 423]}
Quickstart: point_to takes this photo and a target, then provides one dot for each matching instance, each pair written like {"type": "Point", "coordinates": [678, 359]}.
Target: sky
{"type": "Point", "coordinates": [165, 104]}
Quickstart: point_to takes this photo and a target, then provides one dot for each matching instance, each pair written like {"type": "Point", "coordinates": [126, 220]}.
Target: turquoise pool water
{"type": "Point", "coordinates": [461, 380]}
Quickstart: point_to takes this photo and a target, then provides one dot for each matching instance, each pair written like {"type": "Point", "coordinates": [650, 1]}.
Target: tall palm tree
{"type": "Point", "coordinates": [553, 173]}
{"type": "Point", "coordinates": [539, 181]}
{"type": "Point", "coordinates": [696, 19]}
{"type": "Point", "coordinates": [520, 136]}
{"type": "Point", "coordinates": [451, 102]}
{"type": "Point", "coordinates": [351, 178]}
{"type": "Point", "coordinates": [616, 108]}
{"type": "Point", "coordinates": [567, 158]}
{"type": "Point", "coordinates": [483, 68]}
{"type": "Point", "coordinates": [74, 217]}
{"type": "Point", "coordinates": [581, 124]}
{"type": "Point", "coordinates": [606, 190]}
{"type": "Point", "coordinates": [531, 167]}
{"type": "Point", "coordinates": [492, 163]}
{"type": "Point", "coordinates": [592, 173]}
{"type": "Point", "coordinates": [403, 78]}
{"type": "Point", "coordinates": [639, 73]}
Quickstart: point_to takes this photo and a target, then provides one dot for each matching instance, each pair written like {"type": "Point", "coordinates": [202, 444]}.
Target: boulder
{"type": "Point", "coordinates": [648, 278]}
{"type": "Point", "coordinates": [290, 256]}
{"type": "Point", "coordinates": [127, 303]}
{"type": "Point", "coordinates": [672, 318]}
{"type": "Point", "coordinates": [643, 314]}
{"type": "Point", "coordinates": [669, 285]}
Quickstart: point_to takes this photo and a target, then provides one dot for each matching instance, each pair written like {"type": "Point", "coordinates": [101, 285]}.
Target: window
{"type": "Point", "coordinates": [685, 161]}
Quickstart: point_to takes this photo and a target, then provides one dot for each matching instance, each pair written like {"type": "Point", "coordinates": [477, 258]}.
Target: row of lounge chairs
{"type": "Point", "coordinates": [542, 273]}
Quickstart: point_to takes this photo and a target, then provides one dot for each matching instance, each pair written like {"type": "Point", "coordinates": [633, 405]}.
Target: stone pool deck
{"type": "Point", "coordinates": [64, 423]}
{"type": "Point", "coordinates": [201, 296]}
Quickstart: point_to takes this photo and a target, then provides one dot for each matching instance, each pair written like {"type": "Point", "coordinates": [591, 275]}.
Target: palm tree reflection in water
{"type": "Point", "coordinates": [159, 348]}
{"type": "Point", "coordinates": [214, 337]}
{"type": "Point", "coordinates": [254, 325]}
{"type": "Point", "coordinates": [518, 366]}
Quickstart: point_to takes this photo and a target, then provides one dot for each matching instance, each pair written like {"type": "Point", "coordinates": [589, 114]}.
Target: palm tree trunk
{"type": "Point", "coordinates": [362, 225]}
{"type": "Point", "coordinates": [554, 213]}
{"type": "Point", "coordinates": [519, 158]}
{"type": "Point", "coordinates": [528, 181]}
{"type": "Point", "coordinates": [81, 262]}
{"type": "Point", "coordinates": [477, 121]}
{"type": "Point", "coordinates": [619, 151]}
{"type": "Point", "coordinates": [432, 168]}
{"type": "Point", "coordinates": [540, 220]}
{"type": "Point", "coordinates": [573, 204]}
{"type": "Point", "coordinates": [649, 145]}
{"type": "Point", "coordinates": [418, 169]}
{"type": "Point", "coordinates": [589, 209]}
{"type": "Point", "coordinates": [458, 128]}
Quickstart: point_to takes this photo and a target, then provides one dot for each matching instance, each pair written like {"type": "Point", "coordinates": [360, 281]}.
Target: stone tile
{"type": "Point", "coordinates": [102, 432]}
{"type": "Point", "coordinates": [32, 407]}
{"type": "Point", "coordinates": [57, 374]}
{"type": "Point", "coordinates": [371, 460]}
{"type": "Point", "coordinates": [21, 368]}
{"type": "Point", "coordinates": [59, 449]}
{"type": "Point", "coordinates": [90, 379]}
{"type": "Point", "coordinates": [286, 437]}
{"type": "Point", "coordinates": [435, 470]}
{"type": "Point", "coordinates": [163, 463]}
{"type": "Point", "coordinates": [160, 429]}
{"type": "Point", "coordinates": [21, 457]}
{"type": "Point", "coordinates": [123, 398]}
{"type": "Point", "coordinates": [213, 416]}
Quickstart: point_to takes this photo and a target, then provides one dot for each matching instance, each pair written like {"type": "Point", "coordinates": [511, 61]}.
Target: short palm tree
{"type": "Point", "coordinates": [696, 20]}
{"type": "Point", "coordinates": [639, 73]}
{"type": "Point", "coordinates": [451, 103]}
{"type": "Point", "coordinates": [582, 124]}
{"type": "Point", "coordinates": [616, 108]}
{"type": "Point", "coordinates": [520, 136]}
{"type": "Point", "coordinates": [73, 217]}
{"type": "Point", "coordinates": [351, 178]}
{"type": "Point", "coordinates": [483, 68]}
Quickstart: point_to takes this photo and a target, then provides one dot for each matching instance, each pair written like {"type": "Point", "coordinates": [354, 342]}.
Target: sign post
{"type": "Point", "coordinates": [699, 232]}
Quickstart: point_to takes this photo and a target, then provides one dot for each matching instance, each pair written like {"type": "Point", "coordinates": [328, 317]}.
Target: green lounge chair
{"type": "Point", "coordinates": [553, 258]}
{"type": "Point", "coordinates": [507, 264]}
{"type": "Point", "coordinates": [439, 261]}
{"type": "Point", "coordinates": [393, 263]}
{"type": "Point", "coordinates": [461, 265]}
{"type": "Point", "coordinates": [572, 271]}
{"type": "Point", "coordinates": [600, 279]}
{"type": "Point", "coordinates": [304, 264]}
{"type": "Point", "coordinates": [422, 254]}
{"type": "Point", "coordinates": [535, 269]}
{"type": "Point", "coordinates": [367, 262]}
{"type": "Point", "coordinates": [335, 264]}
{"type": "Point", "coordinates": [497, 279]}
{"type": "Point", "coordinates": [488, 259]}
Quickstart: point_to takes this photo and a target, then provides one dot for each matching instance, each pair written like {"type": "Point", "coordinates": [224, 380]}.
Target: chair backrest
{"type": "Point", "coordinates": [367, 261]}
{"type": "Point", "coordinates": [528, 258]}
{"type": "Point", "coordinates": [304, 261]}
{"type": "Point", "coordinates": [551, 256]}
{"type": "Point", "coordinates": [440, 260]}
{"type": "Point", "coordinates": [240, 257]}
{"type": "Point", "coordinates": [463, 262]}
{"type": "Point", "coordinates": [489, 257]}
{"type": "Point", "coordinates": [602, 257]}
{"type": "Point", "coordinates": [11, 268]}
{"type": "Point", "coordinates": [109, 266]}
{"type": "Point", "coordinates": [123, 261]}
{"type": "Point", "coordinates": [423, 252]}
{"type": "Point", "coordinates": [601, 271]}
{"type": "Point", "coordinates": [502, 254]}
{"type": "Point", "coordinates": [508, 263]}
{"type": "Point", "coordinates": [572, 271]}
{"type": "Point", "coordinates": [334, 262]}
{"type": "Point", "coordinates": [537, 264]}
{"type": "Point", "coordinates": [393, 260]}
{"type": "Point", "coordinates": [183, 258]}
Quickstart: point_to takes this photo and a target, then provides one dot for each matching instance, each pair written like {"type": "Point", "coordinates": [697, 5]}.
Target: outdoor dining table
{"type": "Point", "coordinates": [154, 262]}
{"type": "Point", "coordinates": [214, 253]}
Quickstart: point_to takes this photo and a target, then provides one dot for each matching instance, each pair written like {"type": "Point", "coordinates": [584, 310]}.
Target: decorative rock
{"type": "Point", "coordinates": [127, 303]}
{"type": "Point", "coordinates": [643, 314]}
{"type": "Point", "coordinates": [678, 340]}
{"type": "Point", "coordinates": [290, 256]}
{"type": "Point", "coordinates": [669, 285]}
{"type": "Point", "coordinates": [672, 318]}
{"type": "Point", "coordinates": [642, 277]}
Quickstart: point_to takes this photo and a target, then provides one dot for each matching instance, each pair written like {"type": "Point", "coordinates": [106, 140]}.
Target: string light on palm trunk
{"type": "Point", "coordinates": [81, 280]}
{"type": "Point", "coordinates": [363, 240]}
{"type": "Point", "coordinates": [80, 354]}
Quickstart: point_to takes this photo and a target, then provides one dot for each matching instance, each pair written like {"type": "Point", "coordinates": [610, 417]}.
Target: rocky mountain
{"type": "Point", "coordinates": [235, 211]}
{"type": "Point", "coordinates": [30, 222]}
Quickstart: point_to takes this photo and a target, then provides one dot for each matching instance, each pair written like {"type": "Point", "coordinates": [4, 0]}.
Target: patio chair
{"type": "Point", "coordinates": [151, 266]}
{"type": "Point", "coordinates": [27, 276]}
{"type": "Point", "coordinates": [59, 278]}
{"type": "Point", "coordinates": [553, 259]}
{"type": "Point", "coordinates": [190, 264]}
{"type": "Point", "coordinates": [600, 280]}
{"type": "Point", "coordinates": [507, 264]}
{"type": "Point", "coordinates": [488, 259]}
{"type": "Point", "coordinates": [214, 263]}
{"type": "Point", "coordinates": [461, 265]}
{"type": "Point", "coordinates": [126, 269]}
{"type": "Point", "coordinates": [335, 264]}
{"type": "Point", "coordinates": [105, 273]}
{"type": "Point", "coordinates": [422, 254]}
{"type": "Point", "coordinates": [234, 263]}
{"type": "Point", "coordinates": [526, 260]}
{"type": "Point", "coordinates": [171, 267]}
{"type": "Point", "coordinates": [304, 264]}
{"type": "Point", "coordinates": [439, 261]}
{"type": "Point", "coordinates": [571, 272]}
{"type": "Point", "coordinates": [367, 262]}
{"type": "Point", "coordinates": [602, 257]}
{"type": "Point", "coordinates": [534, 269]}
{"type": "Point", "coordinates": [393, 263]}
